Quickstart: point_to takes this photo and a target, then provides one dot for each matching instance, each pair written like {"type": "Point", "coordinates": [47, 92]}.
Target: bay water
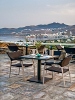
{"type": "Point", "coordinates": [12, 38]}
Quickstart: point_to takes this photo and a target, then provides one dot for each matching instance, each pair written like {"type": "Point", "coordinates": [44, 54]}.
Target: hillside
{"type": "Point", "coordinates": [37, 27]}
{"type": "Point", "coordinates": [56, 27]}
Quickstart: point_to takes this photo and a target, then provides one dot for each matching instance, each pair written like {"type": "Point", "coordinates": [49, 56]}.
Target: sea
{"type": "Point", "coordinates": [12, 38]}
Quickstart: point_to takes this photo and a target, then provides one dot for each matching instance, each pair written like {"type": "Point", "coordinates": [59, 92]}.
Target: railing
{"type": "Point", "coordinates": [62, 44]}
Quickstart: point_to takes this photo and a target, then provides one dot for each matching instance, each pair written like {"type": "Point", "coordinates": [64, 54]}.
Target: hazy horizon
{"type": "Point", "coordinates": [21, 13]}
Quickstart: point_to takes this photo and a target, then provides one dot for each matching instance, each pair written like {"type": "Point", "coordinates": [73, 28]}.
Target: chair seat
{"type": "Point", "coordinates": [50, 63]}
{"type": "Point", "coordinates": [56, 69]}
{"type": "Point", "coordinates": [19, 65]}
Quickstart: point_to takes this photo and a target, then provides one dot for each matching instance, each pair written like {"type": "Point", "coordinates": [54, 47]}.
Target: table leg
{"type": "Point", "coordinates": [26, 50]}
{"type": "Point", "coordinates": [38, 78]}
{"type": "Point", "coordinates": [39, 70]}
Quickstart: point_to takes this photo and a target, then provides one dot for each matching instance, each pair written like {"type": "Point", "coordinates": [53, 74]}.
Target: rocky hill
{"type": "Point", "coordinates": [38, 27]}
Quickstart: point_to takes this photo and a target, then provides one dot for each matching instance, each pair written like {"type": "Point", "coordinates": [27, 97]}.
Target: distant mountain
{"type": "Point", "coordinates": [53, 25]}
{"type": "Point", "coordinates": [37, 27]}
{"type": "Point", "coordinates": [47, 26]}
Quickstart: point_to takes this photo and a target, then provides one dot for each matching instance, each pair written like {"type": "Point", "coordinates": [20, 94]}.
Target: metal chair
{"type": "Point", "coordinates": [15, 56]}
{"type": "Point", "coordinates": [60, 68]}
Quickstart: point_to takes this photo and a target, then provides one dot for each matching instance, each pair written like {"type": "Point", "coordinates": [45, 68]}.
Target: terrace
{"type": "Point", "coordinates": [15, 88]}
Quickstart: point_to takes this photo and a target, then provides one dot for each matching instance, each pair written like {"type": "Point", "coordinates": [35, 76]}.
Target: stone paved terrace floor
{"type": "Point", "coordinates": [15, 88]}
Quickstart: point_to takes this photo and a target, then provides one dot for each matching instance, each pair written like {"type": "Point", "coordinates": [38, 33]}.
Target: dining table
{"type": "Point", "coordinates": [38, 78]}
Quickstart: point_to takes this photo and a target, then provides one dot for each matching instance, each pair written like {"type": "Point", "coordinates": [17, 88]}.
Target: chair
{"type": "Point", "coordinates": [13, 47]}
{"type": "Point", "coordinates": [60, 68]}
{"type": "Point", "coordinates": [57, 52]}
{"type": "Point", "coordinates": [15, 56]}
{"type": "Point", "coordinates": [58, 56]}
{"type": "Point", "coordinates": [59, 47]}
{"type": "Point", "coordinates": [41, 49]}
{"type": "Point", "coordinates": [70, 51]}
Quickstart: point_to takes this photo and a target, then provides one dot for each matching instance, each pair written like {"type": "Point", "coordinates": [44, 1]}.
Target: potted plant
{"type": "Point", "coordinates": [37, 45]}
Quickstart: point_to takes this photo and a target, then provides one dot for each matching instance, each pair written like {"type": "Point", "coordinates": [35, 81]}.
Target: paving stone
{"type": "Point", "coordinates": [2, 84]}
{"type": "Point", "coordinates": [1, 93]}
{"type": "Point", "coordinates": [4, 78]}
{"type": "Point", "coordinates": [67, 84]}
{"type": "Point", "coordinates": [14, 86]}
{"type": "Point", "coordinates": [17, 97]}
{"type": "Point", "coordinates": [55, 90]}
{"type": "Point", "coordinates": [58, 97]}
{"type": "Point", "coordinates": [68, 98]}
{"type": "Point", "coordinates": [14, 79]}
{"type": "Point", "coordinates": [28, 89]}
{"type": "Point", "coordinates": [69, 94]}
{"type": "Point", "coordinates": [5, 90]}
{"type": "Point", "coordinates": [26, 98]}
{"type": "Point", "coordinates": [41, 96]}
{"type": "Point", "coordinates": [72, 87]}
{"type": "Point", "coordinates": [7, 96]}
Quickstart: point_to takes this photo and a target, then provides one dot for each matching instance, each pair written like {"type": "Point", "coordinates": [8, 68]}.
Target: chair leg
{"type": "Point", "coordinates": [10, 69]}
{"type": "Point", "coordinates": [33, 66]}
{"type": "Point", "coordinates": [23, 50]}
{"type": "Point", "coordinates": [52, 75]}
{"type": "Point", "coordinates": [63, 76]}
{"type": "Point", "coordinates": [44, 73]}
{"type": "Point", "coordinates": [45, 66]}
{"type": "Point", "coordinates": [19, 70]}
{"type": "Point", "coordinates": [43, 77]}
{"type": "Point", "coordinates": [69, 74]}
{"type": "Point", "coordinates": [22, 69]}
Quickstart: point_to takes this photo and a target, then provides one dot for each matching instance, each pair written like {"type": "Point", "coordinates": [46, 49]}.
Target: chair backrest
{"type": "Point", "coordinates": [13, 47]}
{"type": "Point", "coordinates": [62, 55]}
{"type": "Point", "coordinates": [69, 50]}
{"type": "Point", "coordinates": [65, 61]}
{"type": "Point", "coordinates": [57, 52]}
{"type": "Point", "coordinates": [59, 47]}
{"type": "Point", "coordinates": [41, 48]}
{"type": "Point", "coordinates": [14, 55]}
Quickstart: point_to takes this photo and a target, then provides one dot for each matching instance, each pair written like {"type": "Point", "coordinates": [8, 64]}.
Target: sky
{"type": "Point", "coordinates": [21, 13]}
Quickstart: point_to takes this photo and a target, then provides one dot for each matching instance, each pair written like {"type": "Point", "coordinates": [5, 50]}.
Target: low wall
{"type": "Point", "coordinates": [3, 47]}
